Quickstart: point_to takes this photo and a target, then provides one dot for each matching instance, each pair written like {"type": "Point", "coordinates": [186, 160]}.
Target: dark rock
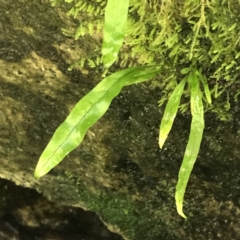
{"type": "Point", "coordinates": [27, 215]}
{"type": "Point", "coordinates": [118, 171]}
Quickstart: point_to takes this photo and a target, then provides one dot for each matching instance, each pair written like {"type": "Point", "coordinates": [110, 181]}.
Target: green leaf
{"type": "Point", "coordinates": [170, 112]}
{"type": "Point", "coordinates": [114, 30]}
{"type": "Point", "coordinates": [87, 112]}
{"type": "Point", "coordinates": [232, 27]}
{"type": "Point", "coordinates": [194, 142]}
{"type": "Point", "coordinates": [91, 63]}
{"type": "Point", "coordinates": [142, 73]}
{"type": "Point", "coordinates": [81, 31]}
{"type": "Point", "coordinates": [206, 88]}
{"type": "Point", "coordinates": [185, 70]}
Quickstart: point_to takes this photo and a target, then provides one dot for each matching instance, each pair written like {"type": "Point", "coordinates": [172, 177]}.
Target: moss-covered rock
{"type": "Point", "coordinates": [119, 171]}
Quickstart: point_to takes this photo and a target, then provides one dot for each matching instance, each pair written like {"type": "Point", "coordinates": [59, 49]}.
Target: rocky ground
{"type": "Point", "coordinates": [118, 172]}
{"type": "Point", "coordinates": [27, 215]}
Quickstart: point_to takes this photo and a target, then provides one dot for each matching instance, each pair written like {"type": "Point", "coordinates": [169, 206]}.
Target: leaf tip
{"type": "Point", "coordinates": [182, 214]}
{"type": "Point", "coordinates": [161, 142]}
{"type": "Point", "coordinates": [162, 138]}
{"type": "Point", "coordinates": [179, 206]}
{"type": "Point", "coordinates": [39, 172]}
{"type": "Point", "coordinates": [180, 211]}
{"type": "Point", "coordinates": [36, 175]}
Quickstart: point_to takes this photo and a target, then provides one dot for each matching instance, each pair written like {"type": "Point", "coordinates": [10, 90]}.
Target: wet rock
{"type": "Point", "coordinates": [31, 216]}
{"type": "Point", "coordinates": [118, 172]}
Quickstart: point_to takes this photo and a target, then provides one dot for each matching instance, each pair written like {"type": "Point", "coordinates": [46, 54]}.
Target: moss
{"type": "Point", "coordinates": [134, 219]}
{"type": "Point", "coordinates": [174, 34]}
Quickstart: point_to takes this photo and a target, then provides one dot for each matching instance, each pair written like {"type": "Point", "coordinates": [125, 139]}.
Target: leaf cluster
{"type": "Point", "coordinates": [197, 38]}
{"type": "Point", "coordinates": [174, 34]}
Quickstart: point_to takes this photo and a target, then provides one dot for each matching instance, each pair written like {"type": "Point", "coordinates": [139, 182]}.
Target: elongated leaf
{"type": "Point", "coordinates": [140, 75]}
{"type": "Point", "coordinates": [86, 112]}
{"type": "Point", "coordinates": [114, 30]}
{"type": "Point", "coordinates": [170, 112]}
{"type": "Point", "coordinates": [193, 145]}
{"type": "Point", "coordinates": [206, 89]}
{"type": "Point", "coordinates": [207, 92]}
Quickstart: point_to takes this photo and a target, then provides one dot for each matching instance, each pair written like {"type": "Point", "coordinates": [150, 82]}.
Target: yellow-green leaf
{"type": "Point", "coordinates": [114, 30]}
{"type": "Point", "coordinates": [170, 112]}
{"type": "Point", "coordinates": [85, 113]}
{"type": "Point", "coordinates": [185, 70]}
{"type": "Point", "coordinates": [194, 142]}
{"type": "Point", "coordinates": [206, 88]}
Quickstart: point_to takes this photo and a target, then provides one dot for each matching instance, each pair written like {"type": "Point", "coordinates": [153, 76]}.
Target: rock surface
{"type": "Point", "coordinates": [33, 217]}
{"type": "Point", "coordinates": [118, 171]}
